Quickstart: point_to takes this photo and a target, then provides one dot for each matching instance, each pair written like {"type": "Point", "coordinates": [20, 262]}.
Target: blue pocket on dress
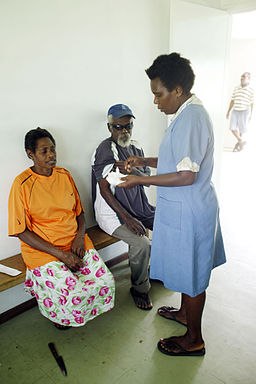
{"type": "Point", "coordinates": [170, 213]}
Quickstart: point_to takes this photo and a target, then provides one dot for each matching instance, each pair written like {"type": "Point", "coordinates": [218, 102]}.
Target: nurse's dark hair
{"type": "Point", "coordinates": [34, 135]}
{"type": "Point", "coordinates": [172, 70]}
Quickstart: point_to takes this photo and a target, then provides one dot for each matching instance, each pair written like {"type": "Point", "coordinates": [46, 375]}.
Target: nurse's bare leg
{"type": "Point", "coordinates": [192, 340]}
{"type": "Point", "coordinates": [174, 314]}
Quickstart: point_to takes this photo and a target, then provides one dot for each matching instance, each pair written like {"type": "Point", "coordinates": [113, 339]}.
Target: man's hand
{"type": "Point", "coordinates": [72, 261]}
{"type": "Point", "coordinates": [77, 246]}
{"type": "Point", "coordinates": [227, 115]}
{"type": "Point", "coordinates": [134, 225]}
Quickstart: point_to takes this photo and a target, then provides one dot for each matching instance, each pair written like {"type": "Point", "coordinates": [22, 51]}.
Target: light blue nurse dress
{"type": "Point", "coordinates": [187, 241]}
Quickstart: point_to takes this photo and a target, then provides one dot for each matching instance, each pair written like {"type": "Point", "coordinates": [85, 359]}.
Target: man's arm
{"type": "Point", "coordinates": [175, 179]}
{"type": "Point", "coordinates": [132, 224]}
{"type": "Point", "coordinates": [229, 109]}
{"type": "Point", "coordinates": [251, 110]}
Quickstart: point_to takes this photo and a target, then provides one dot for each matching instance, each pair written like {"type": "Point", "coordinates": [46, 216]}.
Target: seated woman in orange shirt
{"type": "Point", "coordinates": [70, 281]}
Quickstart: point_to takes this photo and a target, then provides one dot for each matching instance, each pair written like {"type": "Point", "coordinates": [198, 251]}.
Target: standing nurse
{"type": "Point", "coordinates": [187, 241]}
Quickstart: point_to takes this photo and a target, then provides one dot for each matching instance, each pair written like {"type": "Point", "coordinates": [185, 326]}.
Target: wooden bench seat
{"type": "Point", "coordinates": [99, 238]}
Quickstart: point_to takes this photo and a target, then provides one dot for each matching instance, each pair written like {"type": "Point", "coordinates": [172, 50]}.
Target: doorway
{"type": "Point", "coordinates": [237, 186]}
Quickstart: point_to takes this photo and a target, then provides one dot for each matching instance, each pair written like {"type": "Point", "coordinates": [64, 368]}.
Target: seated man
{"type": "Point", "coordinates": [124, 213]}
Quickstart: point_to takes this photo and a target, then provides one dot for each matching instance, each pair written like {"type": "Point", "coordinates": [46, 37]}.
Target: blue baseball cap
{"type": "Point", "coordinates": [120, 110]}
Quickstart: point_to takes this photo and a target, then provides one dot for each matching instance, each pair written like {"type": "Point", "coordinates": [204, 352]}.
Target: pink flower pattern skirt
{"type": "Point", "coordinates": [72, 298]}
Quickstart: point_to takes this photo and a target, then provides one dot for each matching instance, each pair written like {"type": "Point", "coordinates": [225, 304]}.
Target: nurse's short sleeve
{"type": "Point", "coordinates": [104, 159]}
{"type": "Point", "coordinates": [190, 140]}
{"type": "Point", "coordinates": [16, 210]}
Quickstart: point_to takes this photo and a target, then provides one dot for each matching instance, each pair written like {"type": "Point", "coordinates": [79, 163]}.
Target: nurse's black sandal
{"type": "Point", "coordinates": [169, 314]}
{"type": "Point", "coordinates": [163, 347]}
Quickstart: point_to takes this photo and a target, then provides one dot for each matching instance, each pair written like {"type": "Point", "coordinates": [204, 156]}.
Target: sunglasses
{"type": "Point", "coordinates": [120, 127]}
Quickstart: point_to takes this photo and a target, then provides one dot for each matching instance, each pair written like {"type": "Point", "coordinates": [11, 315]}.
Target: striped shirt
{"type": "Point", "coordinates": [242, 97]}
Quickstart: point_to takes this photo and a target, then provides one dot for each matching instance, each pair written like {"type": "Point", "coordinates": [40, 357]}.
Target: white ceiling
{"type": "Point", "coordinates": [232, 6]}
{"type": "Point", "coordinates": [235, 6]}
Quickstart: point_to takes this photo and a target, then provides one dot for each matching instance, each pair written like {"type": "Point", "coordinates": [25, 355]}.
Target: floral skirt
{"type": "Point", "coordinates": [69, 298]}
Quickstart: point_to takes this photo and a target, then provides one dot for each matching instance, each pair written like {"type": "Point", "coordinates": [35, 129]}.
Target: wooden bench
{"type": "Point", "coordinates": [100, 240]}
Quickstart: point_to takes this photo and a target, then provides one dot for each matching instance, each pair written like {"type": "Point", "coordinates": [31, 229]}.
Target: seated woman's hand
{"type": "Point", "coordinates": [73, 262]}
{"type": "Point", "coordinates": [77, 246]}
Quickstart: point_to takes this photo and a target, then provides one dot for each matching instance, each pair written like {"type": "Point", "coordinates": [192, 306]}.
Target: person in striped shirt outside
{"type": "Point", "coordinates": [241, 105]}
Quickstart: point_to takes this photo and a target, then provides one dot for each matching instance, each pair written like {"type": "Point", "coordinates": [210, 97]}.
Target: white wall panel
{"type": "Point", "coordinates": [62, 64]}
{"type": "Point", "coordinates": [202, 34]}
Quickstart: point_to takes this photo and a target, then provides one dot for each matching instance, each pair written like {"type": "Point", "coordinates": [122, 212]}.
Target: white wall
{"type": "Point", "coordinates": [63, 63]}
{"type": "Point", "coordinates": [202, 34]}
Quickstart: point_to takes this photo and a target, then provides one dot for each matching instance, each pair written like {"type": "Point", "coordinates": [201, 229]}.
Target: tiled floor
{"type": "Point", "coordinates": [120, 347]}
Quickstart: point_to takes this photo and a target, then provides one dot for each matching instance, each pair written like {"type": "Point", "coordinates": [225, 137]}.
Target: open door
{"type": "Point", "coordinates": [202, 35]}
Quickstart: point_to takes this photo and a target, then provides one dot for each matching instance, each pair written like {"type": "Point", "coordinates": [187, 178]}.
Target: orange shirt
{"type": "Point", "coordinates": [47, 206]}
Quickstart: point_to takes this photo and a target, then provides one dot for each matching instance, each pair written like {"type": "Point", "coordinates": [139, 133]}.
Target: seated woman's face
{"type": "Point", "coordinates": [44, 157]}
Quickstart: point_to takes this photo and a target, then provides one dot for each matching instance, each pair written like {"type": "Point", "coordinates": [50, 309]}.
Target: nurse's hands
{"type": "Point", "coordinates": [121, 166]}
{"type": "Point", "coordinates": [134, 161]}
{"type": "Point", "coordinates": [129, 181]}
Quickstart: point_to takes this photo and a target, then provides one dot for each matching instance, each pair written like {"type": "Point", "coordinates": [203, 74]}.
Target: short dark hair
{"type": "Point", "coordinates": [34, 135]}
{"type": "Point", "coordinates": [172, 70]}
